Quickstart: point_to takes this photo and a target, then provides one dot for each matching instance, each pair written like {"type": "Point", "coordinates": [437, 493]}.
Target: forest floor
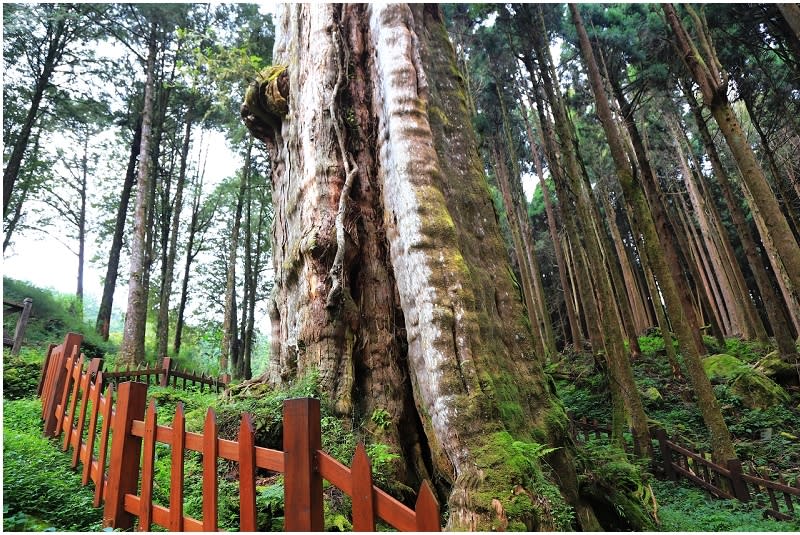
{"type": "Point", "coordinates": [765, 438]}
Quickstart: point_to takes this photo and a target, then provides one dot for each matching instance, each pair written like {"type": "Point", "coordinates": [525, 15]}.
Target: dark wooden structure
{"type": "Point", "coordinates": [672, 460]}
{"type": "Point", "coordinates": [24, 311]}
{"type": "Point", "coordinates": [80, 404]}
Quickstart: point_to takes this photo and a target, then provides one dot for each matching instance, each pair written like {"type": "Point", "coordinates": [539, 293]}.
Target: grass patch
{"type": "Point", "coordinates": [40, 490]}
{"type": "Point", "coordinates": [690, 509]}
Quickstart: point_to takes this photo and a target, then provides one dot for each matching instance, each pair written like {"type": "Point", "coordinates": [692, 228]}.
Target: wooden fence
{"type": "Point", "coordinates": [73, 398]}
{"type": "Point", "coordinates": [164, 374]}
{"type": "Point", "coordinates": [24, 311]}
{"type": "Point", "coordinates": [674, 461]}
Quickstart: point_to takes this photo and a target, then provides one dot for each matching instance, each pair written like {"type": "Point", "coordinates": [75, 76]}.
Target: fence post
{"type": "Point", "coordinates": [165, 365]}
{"type": "Point", "coordinates": [45, 364]}
{"type": "Point", "coordinates": [123, 474]}
{"type": "Point", "coordinates": [55, 394]}
{"type": "Point", "coordinates": [427, 509]}
{"type": "Point", "coordinates": [737, 481]}
{"type": "Point", "coordinates": [302, 437]}
{"type": "Point", "coordinates": [666, 454]}
{"type": "Point", "coordinates": [19, 332]}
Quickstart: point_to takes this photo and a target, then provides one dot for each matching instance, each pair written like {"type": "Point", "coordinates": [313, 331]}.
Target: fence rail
{"type": "Point", "coordinates": [73, 397]}
{"type": "Point", "coordinates": [165, 373]}
{"type": "Point", "coordinates": [726, 482]}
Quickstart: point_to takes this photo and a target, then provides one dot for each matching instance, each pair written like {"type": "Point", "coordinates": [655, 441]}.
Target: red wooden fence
{"type": "Point", "coordinates": [68, 391]}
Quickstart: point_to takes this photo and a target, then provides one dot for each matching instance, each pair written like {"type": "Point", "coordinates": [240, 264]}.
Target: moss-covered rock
{"type": "Point", "coordinates": [756, 390]}
{"type": "Point", "coordinates": [778, 370]}
{"type": "Point", "coordinates": [722, 368]}
{"type": "Point", "coordinates": [652, 395]}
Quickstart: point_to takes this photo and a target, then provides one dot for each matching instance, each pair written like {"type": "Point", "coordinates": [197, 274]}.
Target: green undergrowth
{"type": "Point", "coordinates": [766, 438]}
{"type": "Point", "coordinates": [53, 315]}
{"type": "Point", "coordinates": [40, 490]}
{"type": "Point", "coordinates": [683, 508]}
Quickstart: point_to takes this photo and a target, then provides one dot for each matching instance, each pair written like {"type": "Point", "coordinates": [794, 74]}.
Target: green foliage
{"type": "Point", "coordinates": [21, 374]}
{"type": "Point", "coordinates": [381, 418]}
{"type": "Point", "coordinates": [690, 509]}
{"type": "Point", "coordinates": [608, 477]}
{"type": "Point", "coordinates": [53, 315]}
{"type": "Point", "coordinates": [746, 351]}
{"type": "Point", "coordinates": [39, 488]}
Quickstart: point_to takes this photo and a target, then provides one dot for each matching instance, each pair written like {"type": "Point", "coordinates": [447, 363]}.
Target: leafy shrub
{"type": "Point", "coordinates": [38, 485]}
{"type": "Point", "coordinates": [21, 374]}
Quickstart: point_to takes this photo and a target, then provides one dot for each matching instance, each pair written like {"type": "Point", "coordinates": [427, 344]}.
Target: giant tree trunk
{"type": "Point", "coordinates": [390, 270]}
{"type": "Point", "coordinates": [131, 350]}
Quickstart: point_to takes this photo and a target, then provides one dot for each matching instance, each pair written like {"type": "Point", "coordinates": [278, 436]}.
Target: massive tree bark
{"type": "Point", "coordinates": [390, 271]}
{"type": "Point", "coordinates": [131, 350]}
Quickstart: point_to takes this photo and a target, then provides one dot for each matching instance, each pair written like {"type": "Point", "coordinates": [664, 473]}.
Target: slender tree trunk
{"type": "Point", "coordinates": [790, 297]}
{"type": "Point", "coordinates": [55, 51]}
{"type": "Point", "coordinates": [573, 193]}
{"type": "Point", "coordinates": [166, 283]}
{"type": "Point", "coordinates": [703, 273]}
{"type": "Point", "coordinates": [544, 323]}
{"type": "Point", "coordinates": [528, 292]}
{"type": "Point", "coordinates": [781, 328]}
{"type": "Point", "coordinates": [707, 250]}
{"type": "Point", "coordinates": [131, 350]}
{"type": "Point", "coordinates": [631, 284]}
{"type": "Point", "coordinates": [248, 291]}
{"type": "Point", "coordinates": [449, 352]}
{"type": "Point", "coordinates": [646, 221]}
{"type": "Point", "coordinates": [714, 90]}
{"type": "Point", "coordinates": [572, 317]}
{"type": "Point", "coordinates": [112, 269]}
{"type": "Point", "coordinates": [82, 223]}
{"type": "Point", "coordinates": [790, 214]}
{"type": "Point", "coordinates": [230, 343]}
{"type": "Point", "coordinates": [190, 254]}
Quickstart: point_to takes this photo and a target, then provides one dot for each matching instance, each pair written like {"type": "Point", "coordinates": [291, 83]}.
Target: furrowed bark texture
{"type": "Point", "coordinates": [428, 326]}
{"type": "Point", "coordinates": [131, 350]}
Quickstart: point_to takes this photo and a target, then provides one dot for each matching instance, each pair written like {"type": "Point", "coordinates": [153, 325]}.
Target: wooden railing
{"type": "Point", "coordinates": [164, 374]}
{"type": "Point", "coordinates": [674, 461]}
{"type": "Point", "coordinates": [74, 404]}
